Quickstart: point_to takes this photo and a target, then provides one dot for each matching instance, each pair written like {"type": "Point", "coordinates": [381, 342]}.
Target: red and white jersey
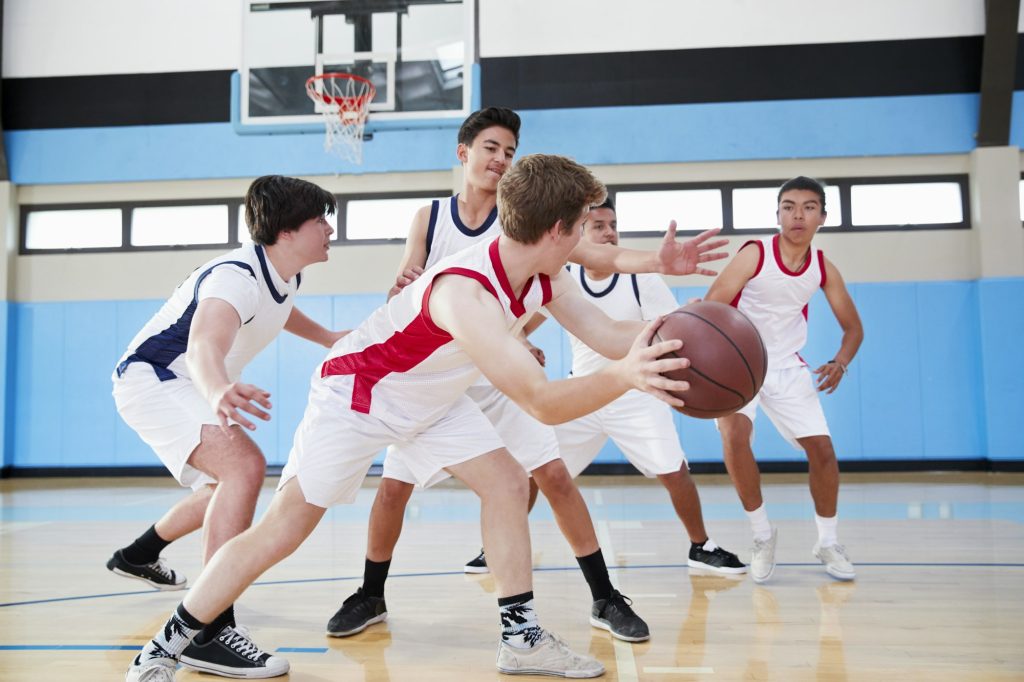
{"type": "Point", "coordinates": [447, 234]}
{"type": "Point", "coordinates": [402, 368]}
{"type": "Point", "coordinates": [775, 299]}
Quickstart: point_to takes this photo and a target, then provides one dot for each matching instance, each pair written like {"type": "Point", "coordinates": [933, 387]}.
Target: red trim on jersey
{"type": "Point", "coordinates": [801, 359]}
{"type": "Point", "coordinates": [760, 262]}
{"type": "Point", "coordinates": [515, 304]}
{"type": "Point", "coordinates": [805, 312]}
{"type": "Point", "coordinates": [782, 266]}
{"type": "Point", "coordinates": [821, 264]}
{"type": "Point", "coordinates": [404, 350]}
{"type": "Point", "coordinates": [545, 289]}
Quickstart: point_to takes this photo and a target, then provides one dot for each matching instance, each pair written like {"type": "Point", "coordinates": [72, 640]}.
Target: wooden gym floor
{"type": "Point", "coordinates": [939, 594]}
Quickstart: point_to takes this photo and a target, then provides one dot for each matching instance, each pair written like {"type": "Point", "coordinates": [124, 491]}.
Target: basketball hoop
{"type": "Point", "coordinates": [344, 100]}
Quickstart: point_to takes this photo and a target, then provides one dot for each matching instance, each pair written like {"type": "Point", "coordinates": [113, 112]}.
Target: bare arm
{"type": "Point", "coordinates": [415, 256]}
{"type": "Point", "coordinates": [476, 322]}
{"type": "Point", "coordinates": [831, 373]}
{"type": "Point", "coordinates": [671, 258]}
{"type": "Point", "coordinates": [303, 326]}
{"type": "Point", "coordinates": [214, 328]}
{"type": "Point", "coordinates": [735, 275]}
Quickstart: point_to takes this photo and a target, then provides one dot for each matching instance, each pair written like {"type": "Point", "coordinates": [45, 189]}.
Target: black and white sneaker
{"type": "Point", "coordinates": [711, 557]}
{"type": "Point", "coordinates": [357, 613]}
{"type": "Point", "coordinates": [233, 654]}
{"type": "Point", "coordinates": [617, 617]}
{"type": "Point", "coordinates": [477, 565]}
{"type": "Point", "coordinates": [155, 574]}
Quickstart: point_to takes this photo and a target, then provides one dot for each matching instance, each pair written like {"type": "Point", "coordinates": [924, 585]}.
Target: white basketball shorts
{"type": "Point", "coordinates": [791, 402]}
{"type": "Point", "coordinates": [640, 424]}
{"type": "Point", "coordinates": [530, 442]}
{"type": "Point", "coordinates": [168, 415]}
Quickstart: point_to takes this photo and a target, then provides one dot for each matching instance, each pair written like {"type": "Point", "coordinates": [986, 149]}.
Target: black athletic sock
{"type": "Point", "coordinates": [374, 575]}
{"type": "Point", "coordinates": [596, 573]}
{"type": "Point", "coordinates": [210, 632]}
{"type": "Point", "coordinates": [146, 548]}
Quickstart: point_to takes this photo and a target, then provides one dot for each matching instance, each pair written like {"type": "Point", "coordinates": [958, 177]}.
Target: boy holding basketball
{"type": "Point", "coordinates": [487, 142]}
{"type": "Point", "coordinates": [772, 281]}
{"type": "Point", "coordinates": [401, 377]}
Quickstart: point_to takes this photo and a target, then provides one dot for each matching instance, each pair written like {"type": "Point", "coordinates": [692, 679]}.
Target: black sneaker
{"type": "Point", "coordinates": [357, 613]}
{"type": "Point", "coordinates": [711, 557]}
{"type": "Point", "coordinates": [615, 615]}
{"type": "Point", "coordinates": [233, 654]}
{"type": "Point", "coordinates": [477, 565]}
{"type": "Point", "coordinates": [155, 574]}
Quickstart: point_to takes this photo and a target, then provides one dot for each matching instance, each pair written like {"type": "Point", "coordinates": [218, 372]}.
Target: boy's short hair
{"type": "Point", "coordinates": [542, 189]}
{"type": "Point", "coordinates": [487, 118]}
{"type": "Point", "coordinates": [803, 182]}
{"type": "Point", "coordinates": [276, 204]}
{"type": "Point", "coordinates": [608, 203]}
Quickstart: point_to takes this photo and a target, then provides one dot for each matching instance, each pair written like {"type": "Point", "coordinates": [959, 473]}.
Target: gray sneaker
{"type": "Point", "coordinates": [762, 558]}
{"type": "Point", "coordinates": [837, 564]}
{"type": "Point", "coordinates": [549, 656]}
{"type": "Point", "coordinates": [155, 670]}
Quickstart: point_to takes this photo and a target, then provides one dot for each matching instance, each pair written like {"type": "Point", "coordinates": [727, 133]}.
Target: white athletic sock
{"type": "Point", "coordinates": [519, 627]}
{"type": "Point", "coordinates": [827, 530]}
{"type": "Point", "coordinates": [759, 523]}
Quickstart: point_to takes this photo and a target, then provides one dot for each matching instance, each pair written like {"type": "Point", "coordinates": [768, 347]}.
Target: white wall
{"type": "Point", "coordinates": [531, 27]}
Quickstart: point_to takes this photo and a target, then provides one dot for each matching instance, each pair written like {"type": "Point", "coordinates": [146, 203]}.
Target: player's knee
{"type": "Point", "coordinates": [394, 493]}
{"type": "Point", "coordinates": [554, 481]}
{"type": "Point", "coordinates": [819, 449]}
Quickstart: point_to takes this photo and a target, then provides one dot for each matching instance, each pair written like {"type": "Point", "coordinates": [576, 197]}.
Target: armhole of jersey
{"type": "Point", "coordinates": [239, 264]}
{"type": "Point", "coordinates": [434, 207]}
{"type": "Point", "coordinates": [760, 255]}
{"type": "Point", "coordinates": [464, 272]}
{"type": "Point", "coordinates": [636, 287]}
{"type": "Point", "coordinates": [821, 265]}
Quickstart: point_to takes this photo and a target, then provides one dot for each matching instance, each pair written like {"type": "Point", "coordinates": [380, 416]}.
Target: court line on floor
{"type": "Point", "coordinates": [539, 569]}
{"type": "Point", "coordinates": [137, 647]}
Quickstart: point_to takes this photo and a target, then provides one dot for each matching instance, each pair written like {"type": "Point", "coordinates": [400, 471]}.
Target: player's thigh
{"type": "Point", "coordinates": [579, 441]}
{"type": "Point", "coordinates": [168, 416]}
{"type": "Point", "coordinates": [643, 428]}
{"type": "Point", "coordinates": [794, 406]}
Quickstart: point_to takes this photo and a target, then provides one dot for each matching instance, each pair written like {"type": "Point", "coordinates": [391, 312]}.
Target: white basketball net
{"type": "Point", "coordinates": [344, 101]}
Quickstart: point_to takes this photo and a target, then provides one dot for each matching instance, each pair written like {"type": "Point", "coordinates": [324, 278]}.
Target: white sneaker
{"type": "Point", "coordinates": [550, 656]}
{"type": "Point", "coordinates": [762, 558]}
{"type": "Point", "coordinates": [837, 564]}
{"type": "Point", "coordinates": [155, 670]}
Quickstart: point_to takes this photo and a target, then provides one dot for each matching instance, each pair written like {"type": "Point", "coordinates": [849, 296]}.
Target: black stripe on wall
{"type": "Point", "coordinates": [779, 72]}
{"type": "Point", "coordinates": [117, 100]}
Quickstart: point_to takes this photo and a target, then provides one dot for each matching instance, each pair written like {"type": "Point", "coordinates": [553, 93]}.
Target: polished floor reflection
{"type": "Point", "coordinates": [940, 588]}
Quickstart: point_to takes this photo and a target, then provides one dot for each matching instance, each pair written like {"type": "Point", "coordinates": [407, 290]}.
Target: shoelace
{"type": "Point", "coordinates": [240, 642]}
{"type": "Point", "coordinates": [160, 567]}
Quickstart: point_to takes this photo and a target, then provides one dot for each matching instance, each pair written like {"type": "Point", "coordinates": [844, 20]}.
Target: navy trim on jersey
{"type": "Point", "coordinates": [434, 207]}
{"type": "Point", "coordinates": [160, 350]}
{"type": "Point", "coordinates": [298, 280]}
{"type": "Point", "coordinates": [471, 231]}
{"type": "Point", "coordinates": [597, 294]}
{"type": "Point", "coordinates": [278, 298]}
{"type": "Point", "coordinates": [636, 287]}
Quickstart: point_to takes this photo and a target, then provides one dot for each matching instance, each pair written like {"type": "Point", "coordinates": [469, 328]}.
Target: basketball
{"type": "Point", "coordinates": [727, 358]}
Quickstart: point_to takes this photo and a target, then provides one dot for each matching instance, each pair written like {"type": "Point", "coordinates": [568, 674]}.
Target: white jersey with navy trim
{"type": "Point", "coordinates": [447, 234]}
{"type": "Point", "coordinates": [245, 278]}
{"type": "Point", "coordinates": [775, 299]}
{"type": "Point", "coordinates": [405, 369]}
{"type": "Point", "coordinates": [621, 297]}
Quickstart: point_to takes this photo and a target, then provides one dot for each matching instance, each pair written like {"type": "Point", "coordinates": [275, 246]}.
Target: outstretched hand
{"type": "Point", "coordinates": [407, 277]}
{"type": "Point", "coordinates": [644, 368]}
{"type": "Point", "coordinates": [684, 258]}
{"type": "Point", "coordinates": [239, 396]}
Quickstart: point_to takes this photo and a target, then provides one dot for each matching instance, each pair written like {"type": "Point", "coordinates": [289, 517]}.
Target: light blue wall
{"type": "Point", "coordinates": [938, 377]}
{"type": "Point", "coordinates": [932, 124]}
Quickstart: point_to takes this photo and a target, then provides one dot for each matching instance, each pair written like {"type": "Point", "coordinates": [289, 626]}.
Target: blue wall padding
{"type": "Point", "coordinates": [938, 377]}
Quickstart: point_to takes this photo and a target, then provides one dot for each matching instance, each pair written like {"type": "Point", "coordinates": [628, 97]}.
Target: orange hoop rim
{"type": "Point", "coordinates": [346, 102]}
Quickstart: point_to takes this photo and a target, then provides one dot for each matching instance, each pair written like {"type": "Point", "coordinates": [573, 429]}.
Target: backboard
{"type": "Point", "coordinates": [417, 53]}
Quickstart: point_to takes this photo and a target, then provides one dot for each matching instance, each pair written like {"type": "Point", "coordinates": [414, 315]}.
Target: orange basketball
{"type": "Point", "coordinates": [727, 358]}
